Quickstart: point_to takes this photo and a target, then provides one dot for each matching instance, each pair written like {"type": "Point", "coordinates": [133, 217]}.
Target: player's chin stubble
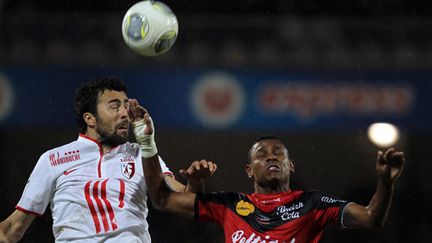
{"type": "Point", "coordinates": [110, 138]}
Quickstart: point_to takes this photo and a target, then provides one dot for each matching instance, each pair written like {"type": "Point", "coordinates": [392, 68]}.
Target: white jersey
{"type": "Point", "coordinates": [94, 197]}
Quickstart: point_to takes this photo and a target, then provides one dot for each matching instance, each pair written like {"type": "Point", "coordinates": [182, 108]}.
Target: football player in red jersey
{"type": "Point", "coordinates": [274, 212]}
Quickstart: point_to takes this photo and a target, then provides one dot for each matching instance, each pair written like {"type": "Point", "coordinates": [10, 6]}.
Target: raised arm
{"type": "Point", "coordinates": [388, 168]}
{"type": "Point", "coordinates": [163, 198]}
{"type": "Point", "coordinates": [13, 228]}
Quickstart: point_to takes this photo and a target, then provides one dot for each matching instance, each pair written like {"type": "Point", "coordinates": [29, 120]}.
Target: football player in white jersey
{"type": "Point", "coordinates": [95, 185]}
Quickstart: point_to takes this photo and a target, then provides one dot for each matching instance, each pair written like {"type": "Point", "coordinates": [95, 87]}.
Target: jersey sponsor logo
{"type": "Point", "coordinates": [288, 213]}
{"type": "Point", "coordinates": [67, 157]}
{"type": "Point", "coordinates": [240, 236]}
{"type": "Point", "coordinates": [244, 208]}
{"type": "Point", "coordinates": [129, 159]}
{"type": "Point", "coordinates": [263, 220]}
{"type": "Point", "coordinates": [331, 200]}
{"type": "Point", "coordinates": [271, 201]}
{"type": "Point", "coordinates": [128, 169]}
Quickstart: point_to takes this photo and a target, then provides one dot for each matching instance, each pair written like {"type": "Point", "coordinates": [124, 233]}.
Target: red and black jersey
{"type": "Point", "coordinates": [293, 216]}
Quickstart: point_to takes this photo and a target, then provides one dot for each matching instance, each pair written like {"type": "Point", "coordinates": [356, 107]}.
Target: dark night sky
{"type": "Point", "coordinates": [299, 7]}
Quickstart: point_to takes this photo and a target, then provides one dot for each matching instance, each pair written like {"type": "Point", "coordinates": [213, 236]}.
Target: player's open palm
{"type": "Point", "coordinates": [139, 114]}
{"type": "Point", "coordinates": [199, 170]}
{"type": "Point", "coordinates": [136, 111]}
{"type": "Point", "coordinates": [389, 165]}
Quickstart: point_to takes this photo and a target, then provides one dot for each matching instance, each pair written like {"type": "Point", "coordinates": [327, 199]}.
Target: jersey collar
{"type": "Point", "coordinates": [92, 140]}
{"type": "Point", "coordinates": [87, 138]}
{"type": "Point", "coordinates": [269, 201]}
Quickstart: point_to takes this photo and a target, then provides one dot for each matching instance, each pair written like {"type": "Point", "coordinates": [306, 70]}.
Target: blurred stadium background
{"type": "Point", "coordinates": [315, 73]}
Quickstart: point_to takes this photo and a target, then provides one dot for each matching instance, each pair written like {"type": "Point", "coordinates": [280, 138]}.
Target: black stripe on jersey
{"type": "Point", "coordinates": [264, 221]}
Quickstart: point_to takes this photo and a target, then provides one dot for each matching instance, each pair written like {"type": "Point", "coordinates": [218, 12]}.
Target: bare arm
{"type": "Point", "coordinates": [174, 184]}
{"type": "Point", "coordinates": [388, 167]}
{"type": "Point", "coordinates": [163, 198]}
{"type": "Point", "coordinates": [13, 228]}
{"type": "Point", "coordinates": [167, 197]}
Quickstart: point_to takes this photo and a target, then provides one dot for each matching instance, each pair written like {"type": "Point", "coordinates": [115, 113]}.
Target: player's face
{"type": "Point", "coordinates": [269, 163]}
{"type": "Point", "coordinates": [112, 119]}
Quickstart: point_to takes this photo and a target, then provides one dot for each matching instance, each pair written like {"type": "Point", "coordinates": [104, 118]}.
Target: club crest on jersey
{"type": "Point", "coordinates": [128, 170]}
{"type": "Point", "coordinates": [244, 208]}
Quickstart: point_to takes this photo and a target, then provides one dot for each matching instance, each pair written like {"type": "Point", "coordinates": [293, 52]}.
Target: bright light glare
{"type": "Point", "coordinates": [383, 134]}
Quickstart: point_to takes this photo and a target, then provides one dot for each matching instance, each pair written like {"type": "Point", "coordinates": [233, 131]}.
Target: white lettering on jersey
{"type": "Point", "coordinates": [239, 236]}
{"type": "Point", "coordinates": [290, 213]}
{"type": "Point", "coordinates": [67, 157]}
{"type": "Point", "coordinates": [330, 200]}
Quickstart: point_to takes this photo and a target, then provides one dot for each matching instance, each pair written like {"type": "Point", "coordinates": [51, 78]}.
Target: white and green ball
{"type": "Point", "coordinates": [150, 28]}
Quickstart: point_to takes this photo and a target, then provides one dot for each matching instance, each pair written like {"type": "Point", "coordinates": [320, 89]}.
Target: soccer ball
{"type": "Point", "coordinates": [150, 28]}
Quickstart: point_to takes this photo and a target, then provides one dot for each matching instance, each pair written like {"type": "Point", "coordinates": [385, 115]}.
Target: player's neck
{"type": "Point", "coordinates": [96, 137]}
{"type": "Point", "coordinates": [106, 146]}
{"type": "Point", "coordinates": [271, 189]}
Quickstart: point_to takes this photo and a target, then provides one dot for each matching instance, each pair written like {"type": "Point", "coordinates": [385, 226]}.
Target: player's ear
{"type": "Point", "coordinates": [89, 119]}
{"type": "Point", "coordinates": [248, 169]}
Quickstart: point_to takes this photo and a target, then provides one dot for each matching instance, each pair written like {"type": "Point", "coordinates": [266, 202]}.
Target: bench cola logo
{"type": "Point", "coordinates": [128, 166]}
{"type": "Point", "coordinates": [292, 212]}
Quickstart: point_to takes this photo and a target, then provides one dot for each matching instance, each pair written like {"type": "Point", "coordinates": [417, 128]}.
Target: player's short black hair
{"type": "Point", "coordinates": [261, 138]}
{"type": "Point", "coordinates": [86, 96]}
{"type": "Point", "coordinates": [266, 137]}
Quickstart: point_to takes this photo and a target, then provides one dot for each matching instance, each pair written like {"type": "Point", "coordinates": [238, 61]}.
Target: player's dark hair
{"type": "Point", "coordinates": [261, 138]}
{"type": "Point", "coordinates": [86, 96]}
{"type": "Point", "coordinates": [266, 137]}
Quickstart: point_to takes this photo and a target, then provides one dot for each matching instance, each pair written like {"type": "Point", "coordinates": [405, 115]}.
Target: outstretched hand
{"type": "Point", "coordinates": [389, 165]}
{"type": "Point", "coordinates": [143, 128]}
{"type": "Point", "coordinates": [138, 113]}
{"type": "Point", "coordinates": [199, 171]}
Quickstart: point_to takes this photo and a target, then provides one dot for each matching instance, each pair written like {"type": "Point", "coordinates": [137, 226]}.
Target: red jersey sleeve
{"type": "Point", "coordinates": [213, 207]}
